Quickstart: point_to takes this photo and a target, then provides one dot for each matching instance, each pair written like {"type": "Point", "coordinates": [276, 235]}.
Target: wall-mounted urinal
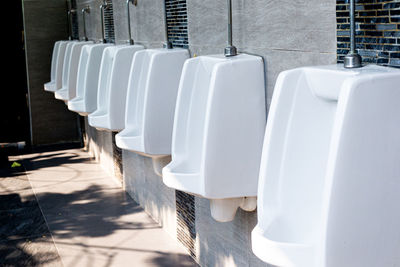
{"type": "Point", "coordinates": [112, 87]}
{"type": "Point", "coordinates": [72, 58]}
{"type": "Point", "coordinates": [113, 82]}
{"type": "Point", "coordinates": [65, 65]}
{"type": "Point", "coordinates": [151, 98]}
{"type": "Point", "coordinates": [51, 85]}
{"type": "Point", "coordinates": [218, 131]}
{"type": "Point", "coordinates": [58, 68]}
{"type": "Point", "coordinates": [85, 101]}
{"type": "Point", "coordinates": [330, 171]}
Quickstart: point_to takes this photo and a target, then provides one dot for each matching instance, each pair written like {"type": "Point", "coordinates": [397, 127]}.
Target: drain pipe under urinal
{"type": "Point", "coordinates": [84, 11]}
{"type": "Point", "coordinates": [102, 8]}
{"type": "Point", "coordinates": [128, 16]}
{"type": "Point", "coordinates": [352, 59]}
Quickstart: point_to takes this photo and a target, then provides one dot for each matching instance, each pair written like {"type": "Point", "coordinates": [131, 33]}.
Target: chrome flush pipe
{"type": "Point", "coordinates": [167, 43]}
{"type": "Point", "coordinates": [230, 50]}
{"type": "Point", "coordinates": [352, 59]}
{"type": "Point", "coordinates": [102, 8]}
{"type": "Point", "coordinates": [70, 12]}
{"type": "Point", "coordinates": [84, 11]}
{"type": "Point", "coordinates": [128, 15]}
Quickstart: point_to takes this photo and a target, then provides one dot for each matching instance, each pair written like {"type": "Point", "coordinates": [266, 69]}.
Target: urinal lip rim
{"type": "Point", "coordinates": [260, 244]}
{"type": "Point", "coordinates": [103, 126]}
{"type": "Point", "coordinates": [140, 148]}
{"type": "Point", "coordinates": [257, 230]}
{"type": "Point", "coordinates": [169, 176]}
{"type": "Point", "coordinates": [58, 94]}
{"type": "Point", "coordinates": [50, 84]}
{"type": "Point", "coordinates": [77, 107]}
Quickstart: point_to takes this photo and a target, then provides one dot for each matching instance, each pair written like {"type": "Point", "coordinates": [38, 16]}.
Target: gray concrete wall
{"type": "Point", "coordinates": [46, 22]}
{"type": "Point", "coordinates": [287, 34]}
{"type": "Point", "coordinates": [147, 22]}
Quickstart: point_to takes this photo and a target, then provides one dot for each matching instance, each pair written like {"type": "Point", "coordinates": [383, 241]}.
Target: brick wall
{"type": "Point", "coordinates": [378, 31]}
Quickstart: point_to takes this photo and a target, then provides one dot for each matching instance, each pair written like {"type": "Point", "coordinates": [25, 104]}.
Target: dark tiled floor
{"type": "Point", "coordinates": [25, 239]}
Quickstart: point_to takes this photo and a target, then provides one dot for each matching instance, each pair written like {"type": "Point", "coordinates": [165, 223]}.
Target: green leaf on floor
{"type": "Point", "coordinates": [15, 165]}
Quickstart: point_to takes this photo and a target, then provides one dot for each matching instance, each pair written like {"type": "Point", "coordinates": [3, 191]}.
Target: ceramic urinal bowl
{"type": "Point", "coordinates": [72, 56]}
{"type": "Point", "coordinates": [113, 84]}
{"type": "Point", "coordinates": [218, 132]}
{"type": "Point", "coordinates": [85, 101]}
{"type": "Point", "coordinates": [59, 49]}
{"type": "Point", "coordinates": [329, 179]}
{"type": "Point", "coordinates": [151, 99]}
{"type": "Point", "coordinates": [65, 65]}
{"type": "Point", "coordinates": [51, 85]}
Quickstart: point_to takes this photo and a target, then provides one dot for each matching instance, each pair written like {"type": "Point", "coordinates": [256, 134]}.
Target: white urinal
{"type": "Point", "coordinates": [113, 82]}
{"type": "Point", "coordinates": [218, 132]}
{"type": "Point", "coordinates": [151, 98]}
{"type": "Point", "coordinates": [59, 65]}
{"type": "Point", "coordinates": [68, 90]}
{"type": "Point", "coordinates": [51, 85]}
{"type": "Point", "coordinates": [330, 171]}
{"type": "Point", "coordinates": [65, 65]}
{"type": "Point", "coordinates": [85, 101]}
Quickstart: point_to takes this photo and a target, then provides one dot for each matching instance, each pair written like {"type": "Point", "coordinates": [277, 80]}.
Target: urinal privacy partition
{"type": "Point", "coordinates": [328, 189]}
{"type": "Point", "coordinates": [218, 128]}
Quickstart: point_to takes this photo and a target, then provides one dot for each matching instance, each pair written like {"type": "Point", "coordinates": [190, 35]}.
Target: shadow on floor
{"type": "Point", "coordinates": [25, 239]}
{"type": "Point", "coordinates": [72, 214]}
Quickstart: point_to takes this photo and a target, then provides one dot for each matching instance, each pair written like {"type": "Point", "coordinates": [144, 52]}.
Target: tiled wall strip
{"type": "Point", "coordinates": [177, 22]}
{"type": "Point", "coordinates": [109, 23]}
{"type": "Point", "coordinates": [74, 17]}
{"type": "Point", "coordinates": [378, 31]}
{"type": "Point", "coordinates": [185, 214]}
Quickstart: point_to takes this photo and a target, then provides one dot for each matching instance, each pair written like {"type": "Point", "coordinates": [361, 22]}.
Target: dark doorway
{"type": "Point", "coordinates": [14, 113]}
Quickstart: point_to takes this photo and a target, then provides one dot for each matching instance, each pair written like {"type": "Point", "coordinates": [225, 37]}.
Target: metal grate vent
{"type": "Point", "coordinates": [177, 22]}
